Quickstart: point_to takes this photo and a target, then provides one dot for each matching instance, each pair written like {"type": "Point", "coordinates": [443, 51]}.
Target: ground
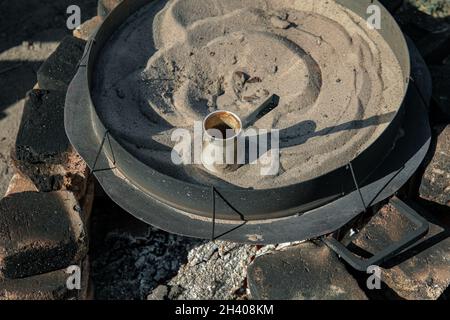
{"type": "Point", "coordinates": [129, 259]}
{"type": "Point", "coordinates": [30, 31]}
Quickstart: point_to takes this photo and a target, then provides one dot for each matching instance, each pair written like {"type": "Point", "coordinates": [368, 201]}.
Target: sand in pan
{"type": "Point", "coordinates": [174, 62]}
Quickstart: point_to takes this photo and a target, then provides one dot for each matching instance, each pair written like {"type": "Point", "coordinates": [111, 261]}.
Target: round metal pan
{"type": "Point", "coordinates": [185, 208]}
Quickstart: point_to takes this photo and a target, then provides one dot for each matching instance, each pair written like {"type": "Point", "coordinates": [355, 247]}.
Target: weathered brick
{"type": "Point", "coordinates": [43, 152]}
{"type": "Point", "coordinates": [422, 272]}
{"type": "Point", "coordinates": [88, 28]}
{"type": "Point", "coordinates": [106, 6]}
{"type": "Point", "coordinates": [39, 232]}
{"type": "Point", "coordinates": [435, 184]}
{"type": "Point", "coordinates": [41, 136]}
{"type": "Point", "coordinates": [48, 286]}
{"type": "Point", "coordinates": [59, 69]}
{"type": "Point", "coordinates": [304, 272]}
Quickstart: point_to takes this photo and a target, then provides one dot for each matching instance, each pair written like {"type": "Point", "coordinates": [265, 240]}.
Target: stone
{"type": "Point", "coordinates": [435, 185]}
{"type": "Point", "coordinates": [87, 29]}
{"type": "Point", "coordinates": [420, 273]}
{"type": "Point", "coordinates": [441, 88]}
{"type": "Point", "coordinates": [214, 270]}
{"type": "Point", "coordinates": [57, 71]}
{"type": "Point", "coordinates": [106, 6]}
{"type": "Point", "coordinates": [279, 23]}
{"type": "Point", "coordinates": [159, 293]}
{"type": "Point", "coordinates": [43, 152]}
{"type": "Point", "coordinates": [39, 233]}
{"type": "Point", "coordinates": [307, 271]}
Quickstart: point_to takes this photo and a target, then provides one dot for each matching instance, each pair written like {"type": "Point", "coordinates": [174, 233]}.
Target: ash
{"type": "Point", "coordinates": [135, 264]}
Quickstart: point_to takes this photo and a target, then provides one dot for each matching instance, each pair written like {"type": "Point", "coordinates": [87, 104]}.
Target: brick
{"type": "Point", "coordinates": [87, 29]}
{"type": "Point", "coordinates": [106, 6]}
{"type": "Point", "coordinates": [48, 286]}
{"type": "Point", "coordinates": [59, 69]}
{"type": "Point", "coordinates": [305, 272]}
{"type": "Point", "coordinates": [43, 152]}
{"type": "Point", "coordinates": [39, 233]}
{"type": "Point", "coordinates": [419, 273]}
{"type": "Point", "coordinates": [435, 184]}
{"type": "Point", "coordinates": [41, 136]}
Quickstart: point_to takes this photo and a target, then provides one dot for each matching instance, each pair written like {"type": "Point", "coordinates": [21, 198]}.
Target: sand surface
{"type": "Point", "coordinates": [176, 61]}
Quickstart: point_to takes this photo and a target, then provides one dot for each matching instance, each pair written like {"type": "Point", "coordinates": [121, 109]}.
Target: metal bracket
{"type": "Point", "coordinates": [97, 156]}
{"type": "Point", "coordinates": [394, 249]}
{"type": "Point", "coordinates": [214, 191]}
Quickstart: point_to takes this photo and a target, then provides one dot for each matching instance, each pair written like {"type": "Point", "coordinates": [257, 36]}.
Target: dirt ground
{"type": "Point", "coordinates": [30, 31]}
{"type": "Point", "coordinates": [129, 258]}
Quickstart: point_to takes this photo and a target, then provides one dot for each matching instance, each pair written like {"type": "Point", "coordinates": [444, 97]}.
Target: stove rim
{"type": "Point", "coordinates": [276, 202]}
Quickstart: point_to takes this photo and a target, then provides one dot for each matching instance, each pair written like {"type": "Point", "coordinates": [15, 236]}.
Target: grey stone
{"type": "Point", "coordinates": [159, 293]}
{"type": "Point", "coordinates": [215, 270]}
{"type": "Point", "coordinates": [39, 233]}
{"type": "Point", "coordinates": [307, 271]}
{"type": "Point", "coordinates": [435, 184]}
{"type": "Point", "coordinates": [60, 68]}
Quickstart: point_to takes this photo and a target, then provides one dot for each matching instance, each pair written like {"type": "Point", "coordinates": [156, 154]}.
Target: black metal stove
{"type": "Point", "coordinates": [301, 211]}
